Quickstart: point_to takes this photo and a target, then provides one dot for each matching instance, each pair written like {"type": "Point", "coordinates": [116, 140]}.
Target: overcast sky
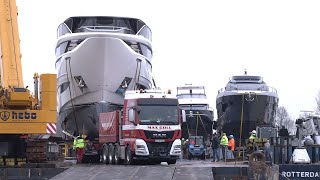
{"type": "Point", "coordinates": [199, 42]}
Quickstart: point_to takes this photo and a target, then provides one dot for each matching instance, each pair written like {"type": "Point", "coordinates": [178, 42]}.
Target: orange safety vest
{"type": "Point", "coordinates": [231, 144]}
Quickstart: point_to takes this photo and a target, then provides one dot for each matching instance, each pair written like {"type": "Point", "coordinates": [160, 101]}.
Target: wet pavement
{"type": "Point", "coordinates": [182, 170]}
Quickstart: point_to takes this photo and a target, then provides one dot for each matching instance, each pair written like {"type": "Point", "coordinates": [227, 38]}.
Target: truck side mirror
{"type": "Point", "coordinates": [132, 115]}
{"type": "Point", "coordinates": [183, 114]}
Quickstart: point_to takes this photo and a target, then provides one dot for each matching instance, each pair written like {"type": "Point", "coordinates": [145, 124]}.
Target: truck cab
{"type": "Point", "coordinates": [152, 125]}
{"type": "Point", "coordinates": [148, 129]}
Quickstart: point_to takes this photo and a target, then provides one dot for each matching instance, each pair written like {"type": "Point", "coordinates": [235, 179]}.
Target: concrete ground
{"type": "Point", "coordinates": [182, 170]}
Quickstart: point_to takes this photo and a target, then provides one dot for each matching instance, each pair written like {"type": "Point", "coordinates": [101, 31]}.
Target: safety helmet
{"type": "Point", "coordinates": [83, 136]}
{"type": "Point", "coordinates": [182, 139]}
{"type": "Point", "coordinates": [254, 132]}
{"type": "Point", "coordinates": [214, 131]}
{"type": "Point", "coordinates": [231, 136]}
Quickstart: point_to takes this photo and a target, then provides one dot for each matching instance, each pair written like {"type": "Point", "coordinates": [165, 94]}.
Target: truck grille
{"type": "Point", "coordinates": [159, 149]}
{"type": "Point", "coordinates": [159, 135]}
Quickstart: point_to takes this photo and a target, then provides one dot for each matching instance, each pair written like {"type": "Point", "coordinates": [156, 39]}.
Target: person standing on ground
{"type": "Point", "coordinates": [78, 145]}
{"type": "Point", "coordinates": [267, 151]}
{"type": "Point", "coordinates": [231, 144]}
{"type": "Point", "coordinates": [252, 141]}
{"type": "Point", "coordinates": [215, 148]}
{"type": "Point", "coordinates": [184, 148]}
{"type": "Point", "coordinates": [224, 145]}
{"type": "Point", "coordinates": [253, 134]}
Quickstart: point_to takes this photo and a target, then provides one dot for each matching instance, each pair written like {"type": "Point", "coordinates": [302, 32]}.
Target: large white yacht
{"type": "Point", "coordinates": [199, 114]}
{"type": "Point", "coordinates": [97, 60]}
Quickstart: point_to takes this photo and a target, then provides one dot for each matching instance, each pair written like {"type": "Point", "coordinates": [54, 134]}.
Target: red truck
{"type": "Point", "coordinates": [148, 128]}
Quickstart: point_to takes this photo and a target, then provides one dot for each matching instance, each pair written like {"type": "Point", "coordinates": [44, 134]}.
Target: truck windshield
{"type": "Point", "coordinates": [157, 114]}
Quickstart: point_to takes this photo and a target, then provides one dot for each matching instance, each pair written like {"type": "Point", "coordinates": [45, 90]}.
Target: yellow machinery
{"type": "Point", "coordinates": [22, 116]}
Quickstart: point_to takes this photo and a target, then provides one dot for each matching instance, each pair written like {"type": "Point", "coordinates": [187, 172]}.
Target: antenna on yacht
{"type": "Point", "coordinates": [245, 72]}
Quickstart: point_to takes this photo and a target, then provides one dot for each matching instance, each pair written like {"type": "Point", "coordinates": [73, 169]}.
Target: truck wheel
{"type": "Point", "coordinates": [111, 154]}
{"type": "Point", "coordinates": [172, 161]}
{"type": "Point", "coordinates": [116, 155]}
{"type": "Point", "coordinates": [105, 154]}
{"type": "Point", "coordinates": [129, 160]}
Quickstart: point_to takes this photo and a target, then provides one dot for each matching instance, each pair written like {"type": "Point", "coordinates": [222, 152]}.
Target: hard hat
{"type": "Point", "coordinates": [254, 131]}
{"type": "Point", "coordinates": [182, 139]}
{"type": "Point", "coordinates": [83, 136]}
{"type": "Point", "coordinates": [223, 134]}
{"type": "Point", "coordinates": [214, 131]}
{"type": "Point", "coordinates": [231, 136]}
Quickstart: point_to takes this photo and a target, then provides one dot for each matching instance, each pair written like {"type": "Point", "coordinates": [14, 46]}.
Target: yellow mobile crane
{"type": "Point", "coordinates": [23, 117]}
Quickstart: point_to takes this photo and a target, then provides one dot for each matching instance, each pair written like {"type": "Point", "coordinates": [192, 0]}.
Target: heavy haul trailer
{"type": "Point", "coordinates": [148, 128]}
{"type": "Point", "coordinates": [23, 117]}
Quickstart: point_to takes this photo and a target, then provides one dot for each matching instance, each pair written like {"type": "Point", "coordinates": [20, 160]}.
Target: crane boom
{"type": "Point", "coordinates": [11, 70]}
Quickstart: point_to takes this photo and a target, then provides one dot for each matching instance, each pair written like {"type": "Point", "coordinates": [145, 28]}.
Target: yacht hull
{"type": "Point", "coordinates": [103, 64]}
{"type": "Point", "coordinates": [83, 119]}
{"type": "Point", "coordinates": [241, 113]}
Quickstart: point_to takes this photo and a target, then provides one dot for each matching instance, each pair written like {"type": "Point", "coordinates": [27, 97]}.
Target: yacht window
{"type": "Point", "coordinates": [61, 49]}
{"type": "Point", "coordinates": [64, 86]}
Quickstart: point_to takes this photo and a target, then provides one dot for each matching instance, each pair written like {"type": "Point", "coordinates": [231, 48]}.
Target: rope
{"type": "Point", "coordinates": [241, 125]}
{"type": "Point", "coordinates": [188, 130]}
{"type": "Point", "coordinates": [71, 98]}
{"type": "Point", "coordinates": [197, 125]}
{"type": "Point", "coordinates": [203, 124]}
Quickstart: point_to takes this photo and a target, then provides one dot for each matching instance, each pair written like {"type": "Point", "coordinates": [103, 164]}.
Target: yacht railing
{"type": "Point", "coordinates": [193, 95]}
{"type": "Point", "coordinates": [114, 29]}
{"type": "Point", "coordinates": [64, 29]}
{"type": "Point", "coordinates": [270, 89]}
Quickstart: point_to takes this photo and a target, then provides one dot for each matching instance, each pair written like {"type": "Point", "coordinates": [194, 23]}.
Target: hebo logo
{"type": "Point", "coordinates": [23, 115]}
{"type": "Point", "coordinates": [5, 115]}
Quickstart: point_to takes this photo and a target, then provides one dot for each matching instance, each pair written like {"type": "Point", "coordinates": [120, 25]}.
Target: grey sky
{"type": "Point", "coordinates": [200, 42]}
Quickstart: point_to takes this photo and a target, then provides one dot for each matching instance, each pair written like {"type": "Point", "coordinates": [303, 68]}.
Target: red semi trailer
{"type": "Point", "coordinates": [147, 128]}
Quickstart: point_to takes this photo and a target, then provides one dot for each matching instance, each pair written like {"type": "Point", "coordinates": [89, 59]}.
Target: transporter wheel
{"type": "Point", "coordinates": [172, 161]}
{"type": "Point", "coordinates": [105, 154]}
{"type": "Point", "coordinates": [129, 160]}
{"type": "Point", "coordinates": [116, 155]}
{"type": "Point", "coordinates": [111, 154]}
